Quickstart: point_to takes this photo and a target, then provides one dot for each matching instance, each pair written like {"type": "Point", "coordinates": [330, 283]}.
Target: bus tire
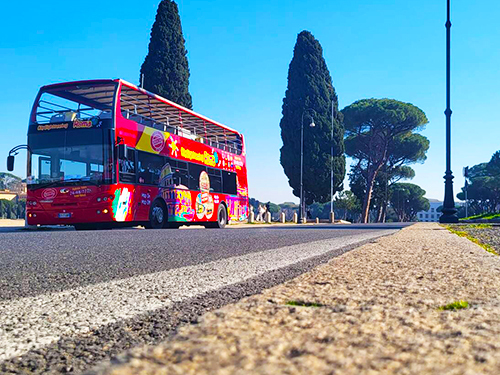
{"type": "Point", "coordinates": [157, 215]}
{"type": "Point", "coordinates": [221, 218]}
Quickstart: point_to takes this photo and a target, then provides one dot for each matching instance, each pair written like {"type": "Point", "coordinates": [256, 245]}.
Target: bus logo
{"type": "Point", "coordinates": [157, 141]}
{"type": "Point", "coordinates": [49, 193]}
{"type": "Point", "coordinates": [81, 124]}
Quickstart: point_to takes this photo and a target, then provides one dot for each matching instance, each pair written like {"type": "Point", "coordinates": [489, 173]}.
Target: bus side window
{"type": "Point", "coordinates": [229, 183]}
{"type": "Point", "coordinates": [215, 180]}
{"type": "Point", "coordinates": [127, 167]}
{"type": "Point", "coordinates": [194, 175]}
{"type": "Point", "coordinates": [182, 178]}
{"type": "Point", "coordinates": [149, 168]}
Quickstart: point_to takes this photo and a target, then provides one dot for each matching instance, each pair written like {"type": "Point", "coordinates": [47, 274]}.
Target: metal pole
{"type": "Point", "coordinates": [331, 178]}
{"type": "Point", "coordinates": [449, 211]}
{"type": "Point", "coordinates": [384, 213]}
{"type": "Point", "coordinates": [301, 166]}
{"type": "Point", "coordinates": [302, 200]}
{"type": "Point", "coordinates": [466, 200]}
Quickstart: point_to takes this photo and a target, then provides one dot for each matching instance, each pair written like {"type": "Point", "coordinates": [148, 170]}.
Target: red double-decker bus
{"type": "Point", "coordinates": [106, 153]}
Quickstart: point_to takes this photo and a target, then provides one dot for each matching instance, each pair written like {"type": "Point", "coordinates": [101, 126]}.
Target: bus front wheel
{"type": "Point", "coordinates": [221, 218]}
{"type": "Point", "coordinates": [157, 215]}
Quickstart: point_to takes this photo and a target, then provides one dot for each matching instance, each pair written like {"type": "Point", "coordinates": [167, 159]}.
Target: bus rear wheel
{"type": "Point", "coordinates": [157, 215]}
{"type": "Point", "coordinates": [221, 218]}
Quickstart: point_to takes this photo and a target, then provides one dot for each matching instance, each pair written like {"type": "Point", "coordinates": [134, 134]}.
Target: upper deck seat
{"type": "Point", "coordinates": [63, 116]}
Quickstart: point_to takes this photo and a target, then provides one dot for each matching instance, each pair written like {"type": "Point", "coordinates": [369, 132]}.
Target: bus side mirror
{"type": "Point", "coordinates": [10, 163]}
{"type": "Point", "coordinates": [122, 151]}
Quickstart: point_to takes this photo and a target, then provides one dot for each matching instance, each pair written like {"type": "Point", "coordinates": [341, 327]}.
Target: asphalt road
{"type": "Point", "coordinates": [69, 300]}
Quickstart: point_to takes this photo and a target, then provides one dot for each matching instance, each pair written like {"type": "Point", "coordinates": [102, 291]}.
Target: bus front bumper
{"type": "Point", "coordinates": [70, 217]}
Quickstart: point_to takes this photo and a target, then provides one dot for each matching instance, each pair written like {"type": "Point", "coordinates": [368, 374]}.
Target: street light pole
{"type": "Point", "coordinates": [466, 186]}
{"type": "Point", "coordinates": [301, 167]}
{"type": "Point", "coordinates": [449, 212]}
{"type": "Point", "coordinates": [332, 213]}
{"type": "Point", "coordinates": [301, 210]}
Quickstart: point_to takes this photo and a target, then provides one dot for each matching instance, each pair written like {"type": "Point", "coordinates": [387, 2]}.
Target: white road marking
{"type": "Point", "coordinates": [33, 322]}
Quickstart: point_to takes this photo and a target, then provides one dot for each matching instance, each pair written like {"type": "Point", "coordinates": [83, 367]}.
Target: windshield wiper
{"type": "Point", "coordinates": [62, 183]}
{"type": "Point", "coordinates": [45, 185]}
{"type": "Point", "coordinates": [91, 182]}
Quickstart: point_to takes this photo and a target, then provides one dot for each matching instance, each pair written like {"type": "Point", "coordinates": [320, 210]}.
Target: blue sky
{"type": "Point", "coordinates": [239, 54]}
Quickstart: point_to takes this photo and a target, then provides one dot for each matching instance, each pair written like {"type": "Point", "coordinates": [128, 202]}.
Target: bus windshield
{"type": "Point", "coordinates": [69, 157]}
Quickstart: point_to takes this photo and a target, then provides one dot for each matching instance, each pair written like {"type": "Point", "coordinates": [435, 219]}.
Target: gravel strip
{"type": "Point", "coordinates": [485, 233]}
{"type": "Point", "coordinates": [379, 314]}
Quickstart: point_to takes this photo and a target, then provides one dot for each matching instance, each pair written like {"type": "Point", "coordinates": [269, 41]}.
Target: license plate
{"type": "Point", "coordinates": [64, 215]}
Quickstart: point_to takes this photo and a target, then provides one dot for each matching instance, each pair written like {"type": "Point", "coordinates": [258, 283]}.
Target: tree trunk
{"type": "Point", "coordinates": [365, 215]}
{"type": "Point", "coordinates": [380, 213]}
{"type": "Point", "coordinates": [384, 212]}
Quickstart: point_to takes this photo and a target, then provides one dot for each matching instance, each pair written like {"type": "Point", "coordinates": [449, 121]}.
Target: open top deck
{"type": "Point", "coordinates": [119, 98]}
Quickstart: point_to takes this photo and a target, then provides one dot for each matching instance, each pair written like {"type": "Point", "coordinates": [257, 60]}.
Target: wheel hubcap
{"type": "Point", "coordinates": [158, 214]}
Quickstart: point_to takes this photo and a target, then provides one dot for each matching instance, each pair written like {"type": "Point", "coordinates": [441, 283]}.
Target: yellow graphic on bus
{"type": "Point", "coordinates": [152, 140]}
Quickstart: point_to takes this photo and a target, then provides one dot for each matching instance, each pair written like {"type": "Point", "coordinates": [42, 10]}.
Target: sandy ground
{"type": "Point", "coordinates": [11, 223]}
{"type": "Point", "coordinates": [372, 310]}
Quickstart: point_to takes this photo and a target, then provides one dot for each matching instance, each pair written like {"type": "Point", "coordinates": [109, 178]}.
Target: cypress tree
{"type": "Point", "coordinates": [165, 68]}
{"type": "Point", "coordinates": [310, 94]}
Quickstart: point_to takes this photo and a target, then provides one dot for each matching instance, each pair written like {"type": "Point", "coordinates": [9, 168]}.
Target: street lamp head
{"type": "Point", "coordinates": [312, 124]}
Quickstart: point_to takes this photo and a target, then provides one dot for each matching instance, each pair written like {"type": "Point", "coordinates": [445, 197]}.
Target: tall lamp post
{"type": "Point", "coordinates": [449, 211]}
{"type": "Point", "coordinates": [332, 214]}
{"type": "Point", "coordinates": [312, 125]}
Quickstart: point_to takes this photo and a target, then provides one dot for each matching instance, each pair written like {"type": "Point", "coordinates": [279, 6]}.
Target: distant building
{"type": "Point", "coordinates": [8, 195]}
{"type": "Point", "coordinates": [12, 195]}
{"type": "Point", "coordinates": [432, 215]}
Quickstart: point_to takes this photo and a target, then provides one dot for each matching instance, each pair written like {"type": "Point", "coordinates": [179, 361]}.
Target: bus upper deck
{"type": "Point", "coordinates": [114, 99]}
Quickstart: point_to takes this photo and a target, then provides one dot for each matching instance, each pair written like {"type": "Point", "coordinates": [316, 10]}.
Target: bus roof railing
{"type": "Point", "coordinates": [155, 111]}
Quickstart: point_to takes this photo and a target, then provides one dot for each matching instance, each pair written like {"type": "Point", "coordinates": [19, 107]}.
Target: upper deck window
{"type": "Point", "coordinates": [150, 111]}
{"type": "Point", "coordinates": [69, 103]}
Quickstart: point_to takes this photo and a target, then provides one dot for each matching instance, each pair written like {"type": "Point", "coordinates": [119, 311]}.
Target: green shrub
{"type": "Point", "coordinates": [457, 305]}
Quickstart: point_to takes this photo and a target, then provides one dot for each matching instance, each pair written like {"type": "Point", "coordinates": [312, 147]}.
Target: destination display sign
{"type": "Point", "coordinates": [68, 125]}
